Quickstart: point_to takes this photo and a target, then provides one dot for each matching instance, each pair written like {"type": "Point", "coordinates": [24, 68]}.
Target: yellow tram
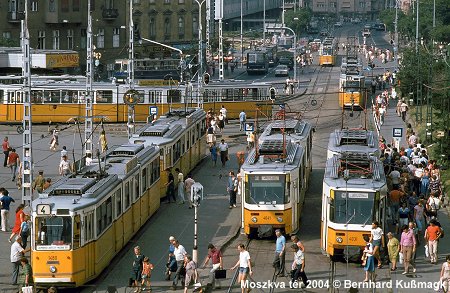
{"type": "Point", "coordinates": [328, 51]}
{"type": "Point", "coordinates": [354, 195]}
{"type": "Point", "coordinates": [62, 98]}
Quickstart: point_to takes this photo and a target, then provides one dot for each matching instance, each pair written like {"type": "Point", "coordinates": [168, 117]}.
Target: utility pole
{"type": "Point", "coordinates": [417, 27]}
{"type": "Point", "coordinates": [396, 30]}
{"type": "Point", "coordinates": [219, 16]}
{"type": "Point", "coordinates": [27, 158]}
{"type": "Point", "coordinates": [264, 20]}
{"type": "Point", "coordinates": [130, 121]}
{"type": "Point", "coordinates": [196, 198]}
{"type": "Point", "coordinates": [89, 77]}
{"type": "Point", "coordinates": [208, 30]}
{"type": "Point", "coordinates": [200, 50]}
{"type": "Point", "coordinates": [242, 36]}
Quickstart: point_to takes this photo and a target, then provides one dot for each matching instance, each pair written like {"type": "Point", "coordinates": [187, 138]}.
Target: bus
{"type": "Point", "coordinates": [272, 55]}
{"type": "Point", "coordinates": [257, 62]}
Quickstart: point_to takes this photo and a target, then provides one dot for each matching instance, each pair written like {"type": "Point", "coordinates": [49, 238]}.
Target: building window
{"type": "Point", "coordinates": [41, 40]}
{"type": "Point", "coordinates": [167, 28]}
{"type": "Point", "coordinates": [333, 4]}
{"type": "Point", "coordinates": [13, 6]}
{"type": "Point", "coordinates": [116, 37]}
{"type": "Point", "coordinates": [52, 6]}
{"type": "Point", "coordinates": [181, 26]}
{"type": "Point", "coordinates": [34, 6]}
{"type": "Point", "coordinates": [56, 40]}
{"type": "Point", "coordinates": [320, 5]}
{"type": "Point", "coordinates": [362, 4]}
{"type": "Point", "coordinates": [195, 25]}
{"type": "Point", "coordinates": [76, 5]}
{"type": "Point", "coordinates": [109, 4]}
{"type": "Point", "coordinates": [101, 38]}
{"type": "Point", "coordinates": [65, 5]}
{"type": "Point", "coordinates": [69, 39]}
{"type": "Point", "coordinates": [152, 27]}
{"type": "Point", "coordinates": [6, 35]}
{"type": "Point", "coordinates": [83, 38]}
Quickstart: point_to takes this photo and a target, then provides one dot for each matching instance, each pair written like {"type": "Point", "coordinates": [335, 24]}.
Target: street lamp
{"type": "Point", "coordinates": [295, 52]}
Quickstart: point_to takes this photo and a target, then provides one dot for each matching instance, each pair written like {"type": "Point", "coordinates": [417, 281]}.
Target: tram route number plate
{"type": "Point", "coordinates": [43, 209]}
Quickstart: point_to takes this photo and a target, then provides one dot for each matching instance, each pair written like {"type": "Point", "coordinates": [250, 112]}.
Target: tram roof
{"type": "Point", "coordinates": [232, 84]}
{"type": "Point", "coordinates": [168, 127]}
{"type": "Point", "coordinates": [364, 171]}
{"type": "Point", "coordinates": [270, 157]}
{"type": "Point", "coordinates": [353, 137]}
{"type": "Point", "coordinates": [295, 130]}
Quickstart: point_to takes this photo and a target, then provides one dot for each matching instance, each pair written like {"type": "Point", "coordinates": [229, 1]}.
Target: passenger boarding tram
{"type": "Point", "coordinates": [354, 195]}
{"type": "Point", "coordinates": [180, 135]}
{"type": "Point", "coordinates": [83, 220]}
{"type": "Point", "coordinates": [297, 131]}
{"type": "Point", "coordinates": [272, 188]}
{"type": "Point", "coordinates": [356, 140]}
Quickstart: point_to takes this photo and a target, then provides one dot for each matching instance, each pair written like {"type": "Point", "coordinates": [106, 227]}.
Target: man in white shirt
{"type": "Point", "coordinates": [179, 254]}
{"type": "Point", "coordinates": [412, 139]}
{"type": "Point", "coordinates": [224, 111]}
{"type": "Point", "coordinates": [395, 177]}
{"type": "Point", "coordinates": [17, 252]}
{"type": "Point", "coordinates": [64, 166]}
{"type": "Point", "coordinates": [187, 185]}
{"type": "Point", "coordinates": [223, 147]}
{"type": "Point", "coordinates": [242, 119]}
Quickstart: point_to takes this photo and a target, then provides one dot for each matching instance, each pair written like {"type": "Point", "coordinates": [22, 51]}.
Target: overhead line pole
{"type": "Point", "coordinates": [89, 76]}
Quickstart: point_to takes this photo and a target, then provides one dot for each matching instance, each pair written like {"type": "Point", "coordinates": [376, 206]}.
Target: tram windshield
{"type": "Point", "coordinates": [267, 189]}
{"type": "Point", "coordinates": [352, 207]}
{"type": "Point", "coordinates": [53, 233]}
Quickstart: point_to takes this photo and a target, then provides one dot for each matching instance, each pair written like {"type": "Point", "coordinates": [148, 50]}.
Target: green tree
{"type": "Point", "coordinates": [4, 42]}
{"type": "Point", "coordinates": [299, 20]}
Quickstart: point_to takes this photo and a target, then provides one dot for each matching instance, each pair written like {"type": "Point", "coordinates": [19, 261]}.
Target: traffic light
{"type": "Point", "coordinates": [272, 93]}
{"type": "Point", "coordinates": [206, 78]}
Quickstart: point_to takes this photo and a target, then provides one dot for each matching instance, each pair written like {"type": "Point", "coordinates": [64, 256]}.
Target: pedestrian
{"type": "Point", "coordinates": [88, 159]}
{"type": "Point", "coordinates": [64, 166]}
{"type": "Point", "coordinates": [5, 201]}
{"type": "Point", "coordinates": [224, 112]}
{"type": "Point", "coordinates": [232, 188]}
{"type": "Point", "coordinates": [17, 252]}
{"type": "Point", "coordinates": [191, 272]}
{"type": "Point", "coordinates": [54, 140]}
{"type": "Point", "coordinates": [179, 253]}
{"type": "Point", "coordinates": [221, 122]}
{"type": "Point", "coordinates": [298, 266]}
{"type": "Point", "coordinates": [180, 186]}
{"type": "Point", "coordinates": [280, 256]}
{"type": "Point", "coordinates": [136, 271]}
{"type": "Point", "coordinates": [297, 241]}
{"type": "Point", "coordinates": [250, 140]}
{"type": "Point", "coordinates": [20, 217]}
{"type": "Point", "coordinates": [393, 247]}
{"type": "Point", "coordinates": [407, 248]}
{"type": "Point", "coordinates": [147, 268]}
{"type": "Point", "coordinates": [38, 183]}
{"type": "Point", "coordinates": [432, 235]}
{"type": "Point", "coordinates": [245, 267]}
{"type": "Point", "coordinates": [47, 184]}
{"type": "Point", "coordinates": [399, 108]}
{"type": "Point", "coordinates": [103, 142]}
{"type": "Point", "coordinates": [223, 148]}
{"type": "Point", "coordinates": [377, 240]}
{"type": "Point", "coordinates": [63, 151]}
{"type": "Point", "coordinates": [187, 186]}
{"type": "Point", "coordinates": [382, 112]}
{"type": "Point", "coordinates": [210, 136]}
{"type": "Point", "coordinates": [419, 215]}
{"type": "Point", "coordinates": [433, 206]}
{"type": "Point", "coordinates": [213, 150]}
{"type": "Point", "coordinates": [26, 274]}
{"type": "Point", "coordinates": [13, 163]}
{"type": "Point", "coordinates": [19, 176]}
{"type": "Point", "coordinates": [242, 119]}
{"type": "Point", "coordinates": [403, 215]}
{"type": "Point", "coordinates": [445, 275]}
{"type": "Point", "coordinates": [404, 109]}
{"type": "Point", "coordinates": [171, 265]}
{"type": "Point", "coordinates": [6, 148]}
{"type": "Point", "coordinates": [170, 192]}
{"type": "Point", "coordinates": [368, 260]}
{"type": "Point", "coordinates": [215, 256]}
{"type": "Point", "coordinates": [240, 155]}
{"type": "Point", "coordinates": [25, 230]}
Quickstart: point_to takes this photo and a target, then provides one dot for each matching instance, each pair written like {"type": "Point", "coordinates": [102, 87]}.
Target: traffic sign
{"type": "Point", "coordinates": [249, 127]}
{"type": "Point", "coordinates": [153, 110]}
{"type": "Point", "coordinates": [397, 132]}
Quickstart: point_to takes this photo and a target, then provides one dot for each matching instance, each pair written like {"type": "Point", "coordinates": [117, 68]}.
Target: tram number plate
{"type": "Point", "coordinates": [267, 218]}
{"type": "Point", "coordinates": [43, 209]}
{"type": "Point", "coordinates": [352, 239]}
{"type": "Point", "coordinates": [52, 257]}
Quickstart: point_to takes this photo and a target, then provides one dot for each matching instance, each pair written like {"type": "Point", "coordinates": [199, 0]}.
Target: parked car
{"type": "Point", "coordinates": [281, 70]}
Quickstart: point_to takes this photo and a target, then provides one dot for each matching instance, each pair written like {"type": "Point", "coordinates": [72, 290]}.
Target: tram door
{"type": "Point", "coordinates": [90, 247]}
{"type": "Point", "coordinates": [295, 191]}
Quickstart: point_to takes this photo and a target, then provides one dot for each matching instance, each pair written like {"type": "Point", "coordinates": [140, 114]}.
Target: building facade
{"type": "Point", "coordinates": [365, 9]}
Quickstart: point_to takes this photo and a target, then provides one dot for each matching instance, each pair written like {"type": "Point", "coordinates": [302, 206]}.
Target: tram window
{"type": "Point", "coordinates": [144, 181]}
{"type": "Point", "coordinates": [118, 201]}
{"type": "Point", "coordinates": [173, 96]}
{"type": "Point", "coordinates": [2, 97]}
{"type": "Point", "coordinates": [103, 96]}
{"type": "Point", "coordinates": [76, 232]}
{"type": "Point", "coordinates": [158, 97]}
{"type": "Point", "coordinates": [183, 144]}
{"type": "Point", "coordinates": [89, 227]}
{"type": "Point", "coordinates": [177, 151]}
{"type": "Point", "coordinates": [104, 216]}
{"type": "Point", "coordinates": [267, 189]}
{"type": "Point", "coordinates": [353, 208]}
{"type": "Point", "coordinates": [126, 195]}
{"type": "Point", "coordinates": [54, 230]}
{"type": "Point", "coordinates": [152, 97]}
{"type": "Point", "coordinates": [136, 186]}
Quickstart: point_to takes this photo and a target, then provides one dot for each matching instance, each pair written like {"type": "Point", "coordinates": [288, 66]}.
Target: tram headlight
{"type": "Point", "coordinates": [339, 239]}
{"type": "Point", "coordinates": [280, 219]}
{"type": "Point", "coordinates": [53, 269]}
{"type": "Point", "coordinates": [254, 219]}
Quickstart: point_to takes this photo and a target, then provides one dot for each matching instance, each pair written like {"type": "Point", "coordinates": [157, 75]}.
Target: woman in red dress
{"type": "Point", "coordinates": [20, 217]}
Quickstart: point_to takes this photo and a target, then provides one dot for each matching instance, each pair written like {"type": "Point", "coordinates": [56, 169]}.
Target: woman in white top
{"type": "Point", "coordinates": [369, 266]}
{"type": "Point", "coordinates": [376, 239]}
{"type": "Point", "coordinates": [245, 267]}
{"type": "Point", "coordinates": [445, 275]}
